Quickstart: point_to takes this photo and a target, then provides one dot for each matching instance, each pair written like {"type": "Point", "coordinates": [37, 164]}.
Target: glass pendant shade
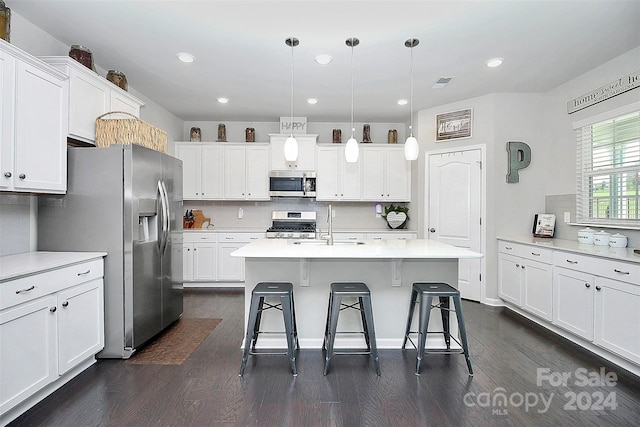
{"type": "Point", "coordinates": [411, 148]}
{"type": "Point", "coordinates": [351, 151]}
{"type": "Point", "coordinates": [291, 149]}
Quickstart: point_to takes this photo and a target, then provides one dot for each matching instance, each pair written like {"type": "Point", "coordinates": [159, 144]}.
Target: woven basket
{"type": "Point", "coordinates": [129, 131]}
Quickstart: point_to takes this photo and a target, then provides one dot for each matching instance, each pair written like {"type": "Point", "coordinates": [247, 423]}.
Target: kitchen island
{"type": "Point", "coordinates": [388, 267]}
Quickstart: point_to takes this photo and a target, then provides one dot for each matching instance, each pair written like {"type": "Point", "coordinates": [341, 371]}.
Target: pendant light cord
{"type": "Point", "coordinates": [292, 46]}
{"type": "Point", "coordinates": [352, 128]}
{"type": "Point", "coordinates": [411, 95]}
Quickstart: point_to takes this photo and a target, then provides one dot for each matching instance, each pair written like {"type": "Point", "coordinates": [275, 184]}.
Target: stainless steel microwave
{"type": "Point", "coordinates": [292, 184]}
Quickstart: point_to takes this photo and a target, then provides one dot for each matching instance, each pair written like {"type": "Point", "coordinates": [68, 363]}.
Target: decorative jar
{"type": "Point", "coordinates": [118, 78]}
{"type": "Point", "coordinates": [5, 22]}
{"type": "Point", "coordinates": [83, 55]}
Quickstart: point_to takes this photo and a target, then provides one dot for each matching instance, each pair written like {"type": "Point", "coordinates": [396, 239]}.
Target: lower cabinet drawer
{"type": "Point", "coordinates": [31, 287]}
{"type": "Point", "coordinates": [604, 267]}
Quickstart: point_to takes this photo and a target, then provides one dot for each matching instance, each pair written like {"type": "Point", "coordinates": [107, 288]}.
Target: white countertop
{"type": "Point", "coordinates": [371, 249]}
{"type": "Point", "coordinates": [621, 254]}
{"type": "Point", "coordinates": [25, 264]}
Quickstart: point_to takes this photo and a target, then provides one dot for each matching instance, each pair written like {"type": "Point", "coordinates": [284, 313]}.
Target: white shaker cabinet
{"type": "Point", "coordinates": [231, 269]}
{"type": "Point", "coordinates": [617, 317]}
{"type": "Point", "coordinates": [246, 172]}
{"type": "Point", "coordinates": [33, 124]}
{"type": "Point", "coordinates": [386, 173]}
{"type": "Point", "coordinates": [51, 324]}
{"type": "Point", "coordinates": [306, 152]}
{"type": "Point", "coordinates": [200, 255]}
{"type": "Point", "coordinates": [203, 174]}
{"type": "Point", "coordinates": [573, 301]}
{"type": "Point", "coordinates": [525, 278]}
{"type": "Point", "coordinates": [336, 178]}
{"type": "Point", "coordinates": [90, 96]}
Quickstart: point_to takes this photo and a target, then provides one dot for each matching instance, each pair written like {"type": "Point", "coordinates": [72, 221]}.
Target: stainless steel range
{"type": "Point", "coordinates": [292, 225]}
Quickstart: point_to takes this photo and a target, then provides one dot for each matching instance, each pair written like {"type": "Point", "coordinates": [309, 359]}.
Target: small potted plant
{"type": "Point", "coordinates": [396, 216]}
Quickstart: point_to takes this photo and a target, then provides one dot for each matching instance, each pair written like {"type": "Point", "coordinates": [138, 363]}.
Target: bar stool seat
{"type": "Point", "coordinates": [425, 292]}
{"type": "Point", "coordinates": [358, 290]}
{"type": "Point", "coordinates": [284, 291]}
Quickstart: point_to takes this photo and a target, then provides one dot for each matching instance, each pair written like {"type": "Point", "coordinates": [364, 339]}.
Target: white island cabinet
{"type": "Point", "coordinates": [388, 267]}
{"type": "Point", "coordinates": [594, 292]}
{"type": "Point", "coordinates": [33, 124]}
{"type": "Point", "coordinates": [51, 324]}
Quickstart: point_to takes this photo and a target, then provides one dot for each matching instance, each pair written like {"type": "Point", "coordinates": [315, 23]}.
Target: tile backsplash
{"type": "Point", "coordinates": [15, 225]}
{"type": "Point", "coordinates": [559, 204]}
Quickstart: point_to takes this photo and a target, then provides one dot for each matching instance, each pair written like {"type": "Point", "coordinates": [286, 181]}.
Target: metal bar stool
{"type": "Point", "coordinates": [426, 292]}
{"type": "Point", "coordinates": [262, 290]}
{"type": "Point", "coordinates": [350, 289]}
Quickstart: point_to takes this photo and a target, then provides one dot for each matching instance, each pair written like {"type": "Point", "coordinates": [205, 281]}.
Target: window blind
{"type": "Point", "coordinates": [608, 171]}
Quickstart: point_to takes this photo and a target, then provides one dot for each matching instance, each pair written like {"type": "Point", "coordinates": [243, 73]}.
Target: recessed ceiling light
{"type": "Point", "coordinates": [494, 62]}
{"type": "Point", "coordinates": [402, 102]}
{"type": "Point", "coordinates": [223, 100]}
{"type": "Point", "coordinates": [186, 57]}
{"type": "Point", "coordinates": [312, 101]}
{"type": "Point", "coordinates": [323, 59]}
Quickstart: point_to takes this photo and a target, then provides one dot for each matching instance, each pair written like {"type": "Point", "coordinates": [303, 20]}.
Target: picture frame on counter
{"type": "Point", "coordinates": [454, 125]}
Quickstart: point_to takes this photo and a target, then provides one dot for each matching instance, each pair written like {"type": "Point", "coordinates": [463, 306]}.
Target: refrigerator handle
{"type": "Point", "coordinates": [167, 216]}
{"type": "Point", "coordinates": [161, 218]}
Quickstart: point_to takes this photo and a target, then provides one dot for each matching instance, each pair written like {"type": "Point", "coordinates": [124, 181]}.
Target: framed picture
{"type": "Point", "coordinates": [453, 125]}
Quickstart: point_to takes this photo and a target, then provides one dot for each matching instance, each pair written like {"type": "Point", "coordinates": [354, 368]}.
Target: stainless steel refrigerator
{"type": "Point", "coordinates": [125, 200]}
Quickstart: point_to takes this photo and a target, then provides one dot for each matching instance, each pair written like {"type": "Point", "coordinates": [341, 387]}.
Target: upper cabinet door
{"type": "Point", "coordinates": [191, 161]}
{"type": "Point", "coordinates": [398, 175]}
{"type": "Point", "coordinates": [234, 173]}
{"type": "Point", "coordinates": [41, 126]}
{"type": "Point", "coordinates": [257, 164]}
{"type": "Point", "coordinates": [7, 73]}
{"type": "Point", "coordinates": [212, 172]}
{"type": "Point", "coordinates": [89, 98]}
{"type": "Point", "coordinates": [328, 180]}
{"type": "Point", "coordinates": [373, 159]}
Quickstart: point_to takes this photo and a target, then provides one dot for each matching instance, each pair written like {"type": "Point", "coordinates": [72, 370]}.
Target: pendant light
{"type": "Point", "coordinates": [291, 145]}
{"type": "Point", "coordinates": [351, 151]}
{"type": "Point", "coordinates": [411, 149]}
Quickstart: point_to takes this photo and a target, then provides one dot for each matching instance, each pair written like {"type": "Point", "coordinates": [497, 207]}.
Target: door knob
{"type": "Point", "coordinates": [432, 230]}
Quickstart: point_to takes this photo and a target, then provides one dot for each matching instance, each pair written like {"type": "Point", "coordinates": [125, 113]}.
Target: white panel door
{"type": "Point", "coordinates": [455, 202]}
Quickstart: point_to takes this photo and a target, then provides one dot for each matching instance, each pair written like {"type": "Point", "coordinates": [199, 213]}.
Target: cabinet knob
{"type": "Point", "coordinates": [522, 267]}
{"type": "Point", "coordinates": [517, 265]}
{"type": "Point", "coordinates": [65, 304]}
{"type": "Point", "coordinates": [53, 309]}
{"type": "Point", "coordinates": [22, 176]}
{"type": "Point", "coordinates": [598, 288]}
{"type": "Point", "coordinates": [7, 174]}
{"type": "Point", "coordinates": [432, 230]}
{"type": "Point", "coordinates": [586, 285]}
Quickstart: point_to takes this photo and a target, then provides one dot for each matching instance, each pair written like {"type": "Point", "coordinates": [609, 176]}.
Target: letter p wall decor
{"type": "Point", "coordinates": [519, 158]}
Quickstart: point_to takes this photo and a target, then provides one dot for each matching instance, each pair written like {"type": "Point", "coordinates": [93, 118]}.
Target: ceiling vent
{"type": "Point", "coordinates": [442, 82]}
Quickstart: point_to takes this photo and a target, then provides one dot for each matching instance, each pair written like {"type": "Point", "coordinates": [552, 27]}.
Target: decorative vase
{"type": "Point", "coordinates": [5, 22]}
{"type": "Point", "coordinates": [366, 133]}
{"type": "Point", "coordinates": [118, 78]}
{"type": "Point", "coordinates": [250, 135]}
{"type": "Point", "coordinates": [393, 136]}
{"type": "Point", "coordinates": [222, 133]}
{"type": "Point", "coordinates": [83, 55]}
{"type": "Point", "coordinates": [337, 136]}
{"type": "Point", "coordinates": [195, 135]}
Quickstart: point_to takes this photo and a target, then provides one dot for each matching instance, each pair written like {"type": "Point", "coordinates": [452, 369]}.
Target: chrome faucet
{"type": "Point", "coordinates": [329, 236]}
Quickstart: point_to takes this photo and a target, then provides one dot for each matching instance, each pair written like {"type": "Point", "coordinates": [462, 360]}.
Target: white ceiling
{"type": "Point", "coordinates": [241, 54]}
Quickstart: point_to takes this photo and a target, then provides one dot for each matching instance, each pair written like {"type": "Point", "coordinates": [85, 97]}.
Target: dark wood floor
{"type": "Point", "coordinates": [506, 351]}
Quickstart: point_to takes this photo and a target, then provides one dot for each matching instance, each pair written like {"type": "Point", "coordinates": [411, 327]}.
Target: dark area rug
{"type": "Point", "coordinates": [175, 345]}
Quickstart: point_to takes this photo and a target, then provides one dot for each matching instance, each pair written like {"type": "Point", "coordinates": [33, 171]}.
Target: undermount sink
{"type": "Point", "coordinates": [325, 242]}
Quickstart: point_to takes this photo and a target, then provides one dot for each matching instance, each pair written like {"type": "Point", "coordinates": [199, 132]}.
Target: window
{"type": "Point", "coordinates": [608, 169]}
